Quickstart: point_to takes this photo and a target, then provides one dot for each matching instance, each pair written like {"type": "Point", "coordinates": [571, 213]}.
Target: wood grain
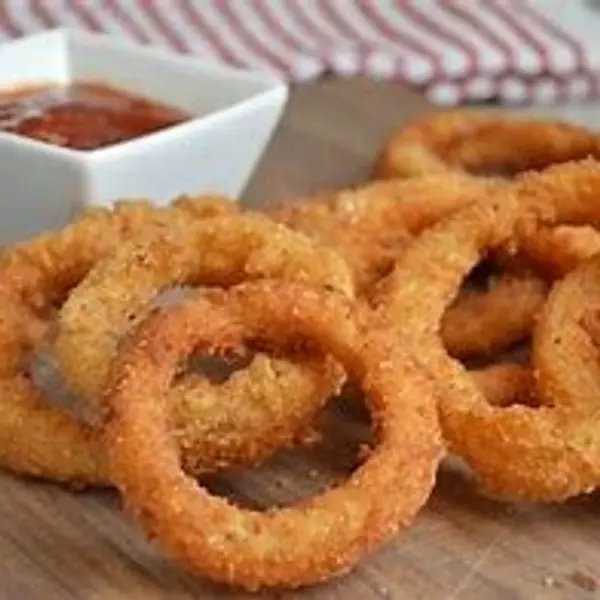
{"type": "Point", "coordinates": [57, 545]}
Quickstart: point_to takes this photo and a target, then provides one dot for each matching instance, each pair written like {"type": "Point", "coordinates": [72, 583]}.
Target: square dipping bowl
{"type": "Point", "coordinates": [233, 115]}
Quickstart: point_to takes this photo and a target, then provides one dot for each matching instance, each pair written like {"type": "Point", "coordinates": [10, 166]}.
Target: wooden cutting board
{"type": "Point", "coordinates": [57, 545]}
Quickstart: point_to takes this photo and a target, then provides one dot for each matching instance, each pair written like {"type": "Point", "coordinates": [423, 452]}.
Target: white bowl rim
{"type": "Point", "coordinates": [275, 87]}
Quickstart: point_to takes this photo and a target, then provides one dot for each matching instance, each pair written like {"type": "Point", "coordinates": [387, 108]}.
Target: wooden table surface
{"type": "Point", "coordinates": [57, 545]}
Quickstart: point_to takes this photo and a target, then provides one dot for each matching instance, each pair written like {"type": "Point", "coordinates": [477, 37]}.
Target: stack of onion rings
{"type": "Point", "coordinates": [534, 453]}
{"type": "Point", "coordinates": [37, 438]}
{"type": "Point", "coordinates": [380, 285]}
{"type": "Point", "coordinates": [462, 141]}
{"type": "Point", "coordinates": [37, 275]}
{"type": "Point", "coordinates": [267, 406]}
{"type": "Point", "coordinates": [370, 226]}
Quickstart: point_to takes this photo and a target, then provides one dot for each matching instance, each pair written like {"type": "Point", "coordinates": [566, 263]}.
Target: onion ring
{"type": "Point", "coordinates": [37, 438]}
{"type": "Point", "coordinates": [294, 546]}
{"type": "Point", "coordinates": [265, 407]}
{"type": "Point", "coordinates": [465, 140]}
{"type": "Point", "coordinates": [518, 451]}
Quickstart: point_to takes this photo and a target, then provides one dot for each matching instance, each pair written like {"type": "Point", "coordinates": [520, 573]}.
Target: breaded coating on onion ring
{"type": "Point", "coordinates": [471, 141]}
{"type": "Point", "coordinates": [370, 225]}
{"type": "Point", "coordinates": [531, 453]}
{"type": "Point", "coordinates": [293, 546]}
{"type": "Point", "coordinates": [37, 438]}
{"type": "Point", "coordinates": [258, 409]}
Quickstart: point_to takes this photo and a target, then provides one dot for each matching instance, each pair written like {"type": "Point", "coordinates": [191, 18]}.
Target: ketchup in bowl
{"type": "Point", "coordinates": [83, 115]}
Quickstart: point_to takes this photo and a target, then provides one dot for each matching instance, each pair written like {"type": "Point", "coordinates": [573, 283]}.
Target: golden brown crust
{"type": "Point", "coordinates": [481, 323]}
{"type": "Point", "coordinates": [552, 252]}
{"type": "Point", "coordinates": [506, 383]}
{"type": "Point", "coordinates": [297, 545]}
{"type": "Point", "coordinates": [370, 226]}
{"type": "Point", "coordinates": [538, 454]}
{"type": "Point", "coordinates": [471, 141]}
{"type": "Point", "coordinates": [36, 437]}
{"type": "Point", "coordinates": [564, 353]}
{"type": "Point", "coordinates": [256, 411]}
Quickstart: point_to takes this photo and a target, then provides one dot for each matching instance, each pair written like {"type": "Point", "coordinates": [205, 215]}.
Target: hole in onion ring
{"type": "Point", "coordinates": [338, 443]}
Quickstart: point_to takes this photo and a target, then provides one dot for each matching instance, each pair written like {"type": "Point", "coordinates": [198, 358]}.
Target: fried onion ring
{"type": "Point", "coordinates": [538, 454]}
{"type": "Point", "coordinates": [256, 411]}
{"type": "Point", "coordinates": [298, 545]}
{"type": "Point", "coordinates": [466, 140]}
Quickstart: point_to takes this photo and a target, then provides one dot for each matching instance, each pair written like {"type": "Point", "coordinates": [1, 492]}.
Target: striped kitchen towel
{"type": "Point", "coordinates": [511, 51]}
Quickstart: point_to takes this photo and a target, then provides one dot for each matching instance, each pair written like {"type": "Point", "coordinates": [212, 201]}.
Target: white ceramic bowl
{"type": "Point", "coordinates": [235, 113]}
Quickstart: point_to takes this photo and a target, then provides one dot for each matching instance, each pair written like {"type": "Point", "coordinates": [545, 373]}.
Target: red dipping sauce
{"type": "Point", "coordinates": [83, 116]}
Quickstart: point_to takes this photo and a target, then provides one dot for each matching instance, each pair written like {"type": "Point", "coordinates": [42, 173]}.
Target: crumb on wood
{"type": "Point", "coordinates": [549, 581]}
{"type": "Point", "coordinates": [584, 581]}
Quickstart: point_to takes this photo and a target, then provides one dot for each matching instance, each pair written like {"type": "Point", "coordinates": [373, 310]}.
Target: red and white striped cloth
{"type": "Point", "coordinates": [512, 51]}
